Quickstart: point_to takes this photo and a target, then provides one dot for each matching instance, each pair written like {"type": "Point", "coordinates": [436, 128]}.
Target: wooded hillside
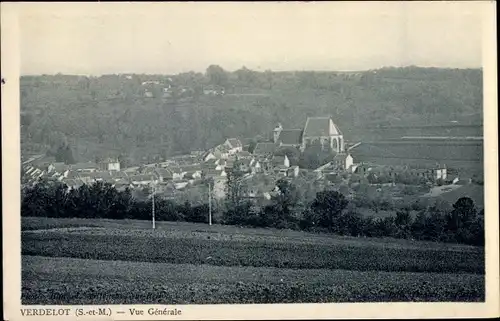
{"type": "Point", "coordinates": [137, 116]}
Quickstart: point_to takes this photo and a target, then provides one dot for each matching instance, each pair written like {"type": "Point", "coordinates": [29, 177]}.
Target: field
{"type": "Point", "coordinates": [76, 261]}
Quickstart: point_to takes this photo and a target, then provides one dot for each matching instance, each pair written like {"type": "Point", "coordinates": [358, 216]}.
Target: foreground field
{"type": "Point", "coordinates": [77, 281]}
{"type": "Point", "coordinates": [100, 261]}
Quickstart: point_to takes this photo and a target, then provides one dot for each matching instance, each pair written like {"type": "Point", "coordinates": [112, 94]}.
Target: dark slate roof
{"type": "Point", "coordinates": [291, 136]}
{"type": "Point", "coordinates": [139, 178]}
{"type": "Point", "coordinates": [320, 126]}
{"type": "Point", "coordinates": [264, 148]}
{"type": "Point", "coordinates": [89, 165]}
{"type": "Point", "coordinates": [192, 167]}
{"type": "Point", "coordinates": [101, 175]}
{"type": "Point", "coordinates": [165, 172]}
{"type": "Point", "coordinates": [118, 174]}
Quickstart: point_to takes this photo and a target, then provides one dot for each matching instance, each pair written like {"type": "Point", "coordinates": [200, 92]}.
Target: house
{"type": "Point", "coordinates": [177, 172]}
{"type": "Point", "coordinates": [343, 161]}
{"type": "Point", "coordinates": [281, 161]}
{"type": "Point", "coordinates": [118, 175]}
{"type": "Point", "coordinates": [84, 167]}
{"type": "Point", "coordinates": [255, 166]}
{"type": "Point", "coordinates": [213, 91]}
{"type": "Point", "coordinates": [281, 170]}
{"type": "Point", "coordinates": [142, 179]}
{"type": "Point", "coordinates": [264, 149]}
{"type": "Point", "coordinates": [57, 168]}
{"type": "Point", "coordinates": [191, 168]}
{"type": "Point", "coordinates": [218, 152]}
{"type": "Point", "coordinates": [234, 145]}
{"type": "Point", "coordinates": [43, 162]}
{"type": "Point", "coordinates": [440, 172]}
{"type": "Point", "coordinates": [208, 156]}
{"type": "Point", "coordinates": [325, 170]}
{"type": "Point", "coordinates": [131, 170]}
{"type": "Point", "coordinates": [265, 163]}
{"type": "Point", "coordinates": [164, 174]}
{"type": "Point", "coordinates": [258, 187]}
{"type": "Point", "coordinates": [245, 154]}
{"type": "Point", "coordinates": [102, 176]}
{"type": "Point", "coordinates": [287, 137]}
{"type": "Point", "coordinates": [212, 173]}
{"type": "Point", "coordinates": [193, 175]}
{"type": "Point", "coordinates": [292, 171]}
{"type": "Point", "coordinates": [109, 164]}
{"type": "Point", "coordinates": [324, 131]}
{"type": "Point", "coordinates": [181, 184]}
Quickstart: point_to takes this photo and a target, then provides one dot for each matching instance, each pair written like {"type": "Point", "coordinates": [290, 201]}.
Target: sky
{"type": "Point", "coordinates": [168, 38]}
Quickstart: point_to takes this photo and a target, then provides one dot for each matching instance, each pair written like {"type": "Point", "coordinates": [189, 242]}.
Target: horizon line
{"type": "Point", "coordinates": [254, 70]}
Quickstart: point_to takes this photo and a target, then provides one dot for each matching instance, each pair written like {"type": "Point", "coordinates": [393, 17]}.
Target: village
{"type": "Point", "coordinates": [184, 175]}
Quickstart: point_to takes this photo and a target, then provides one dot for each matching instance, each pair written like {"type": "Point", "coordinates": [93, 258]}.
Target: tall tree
{"type": "Point", "coordinates": [233, 184]}
{"type": "Point", "coordinates": [217, 76]}
{"type": "Point", "coordinates": [329, 206]}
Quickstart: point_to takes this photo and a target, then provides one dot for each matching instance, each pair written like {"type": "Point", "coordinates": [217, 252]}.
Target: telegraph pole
{"type": "Point", "coordinates": [153, 205]}
{"type": "Point", "coordinates": [209, 205]}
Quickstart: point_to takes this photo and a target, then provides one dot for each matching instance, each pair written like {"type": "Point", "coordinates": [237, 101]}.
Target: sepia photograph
{"type": "Point", "coordinates": [252, 153]}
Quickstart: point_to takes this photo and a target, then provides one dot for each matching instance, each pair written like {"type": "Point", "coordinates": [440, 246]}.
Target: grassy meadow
{"type": "Point", "coordinates": [90, 261]}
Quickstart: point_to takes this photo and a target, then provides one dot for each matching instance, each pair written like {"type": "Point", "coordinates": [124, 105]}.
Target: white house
{"type": "Point", "coordinates": [109, 164]}
{"type": "Point", "coordinates": [293, 171]}
{"type": "Point", "coordinates": [57, 168]}
{"type": "Point", "coordinates": [234, 145]}
{"type": "Point", "coordinates": [343, 161]}
{"type": "Point", "coordinates": [281, 161]}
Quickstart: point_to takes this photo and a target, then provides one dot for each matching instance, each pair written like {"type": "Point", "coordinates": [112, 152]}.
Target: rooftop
{"type": "Point", "coordinates": [320, 126]}
{"type": "Point", "coordinates": [234, 142]}
{"type": "Point", "coordinates": [265, 148]}
{"type": "Point", "coordinates": [291, 136]}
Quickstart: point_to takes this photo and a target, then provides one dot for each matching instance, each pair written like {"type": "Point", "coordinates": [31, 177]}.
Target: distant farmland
{"type": "Point", "coordinates": [456, 154]}
{"type": "Point", "coordinates": [391, 132]}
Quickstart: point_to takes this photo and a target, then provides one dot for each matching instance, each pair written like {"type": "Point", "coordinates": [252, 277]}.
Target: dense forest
{"type": "Point", "coordinates": [140, 117]}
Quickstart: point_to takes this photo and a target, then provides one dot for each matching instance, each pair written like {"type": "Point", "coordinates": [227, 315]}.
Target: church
{"type": "Point", "coordinates": [317, 130]}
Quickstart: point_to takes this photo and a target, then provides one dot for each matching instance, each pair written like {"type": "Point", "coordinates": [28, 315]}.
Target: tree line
{"type": "Point", "coordinates": [328, 212]}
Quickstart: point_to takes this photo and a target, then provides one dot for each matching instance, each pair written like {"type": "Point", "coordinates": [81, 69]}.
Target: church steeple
{"type": "Point", "coordinates": [277, 132]}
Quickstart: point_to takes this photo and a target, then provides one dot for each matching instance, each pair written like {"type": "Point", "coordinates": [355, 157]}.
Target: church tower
{"type": "Point", "coordinates": [277, 132]}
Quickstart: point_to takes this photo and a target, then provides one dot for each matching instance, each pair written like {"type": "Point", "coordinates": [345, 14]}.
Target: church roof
{"type": "Point", "coordinates": [320, 126]}
{"type": "Point", "coordinates": [291, 136]}
{"type": "Point", "coordinates": [264, 148]}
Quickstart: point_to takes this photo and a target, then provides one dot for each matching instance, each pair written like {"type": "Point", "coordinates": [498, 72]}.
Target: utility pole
{"type": "Point", "coordinates": [209, 205]}
{"type": "Point", "coordinates": [153, 201]}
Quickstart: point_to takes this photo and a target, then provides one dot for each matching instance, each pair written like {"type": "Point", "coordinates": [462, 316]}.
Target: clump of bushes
{"type": "Point", "coordinates": [329, 212]}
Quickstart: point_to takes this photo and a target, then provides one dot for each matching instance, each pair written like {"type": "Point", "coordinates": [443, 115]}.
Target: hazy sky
{"type": "Point", "coordinates": [102, 38]}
